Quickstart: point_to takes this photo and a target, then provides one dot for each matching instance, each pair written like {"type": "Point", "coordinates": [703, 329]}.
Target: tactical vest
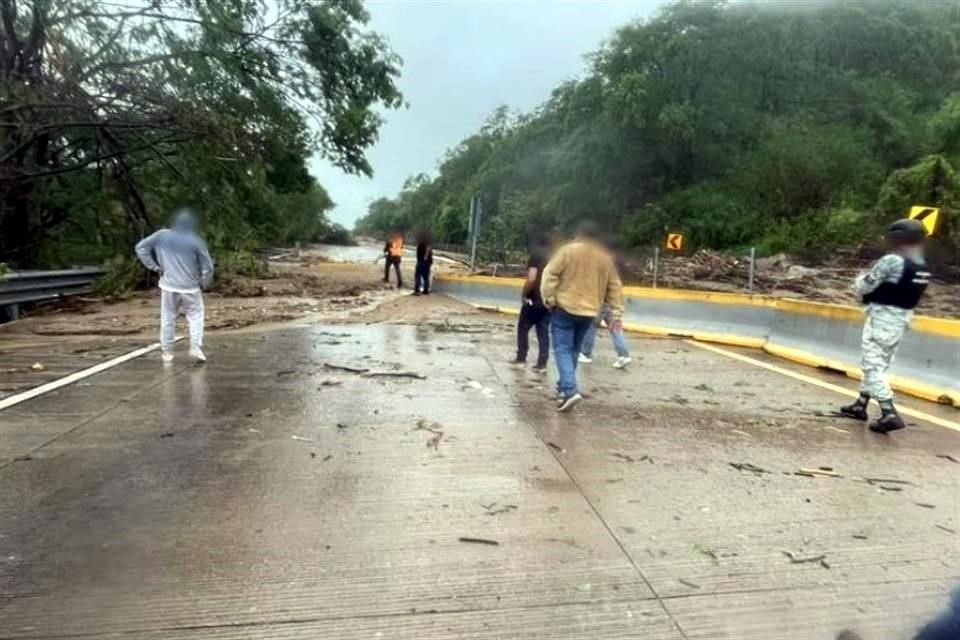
{"type": "Point", "coordinates": [906, 292]}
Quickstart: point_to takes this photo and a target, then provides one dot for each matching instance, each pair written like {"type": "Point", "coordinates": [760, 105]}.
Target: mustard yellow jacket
{"type": "Point", "coordinates": [580, 278]}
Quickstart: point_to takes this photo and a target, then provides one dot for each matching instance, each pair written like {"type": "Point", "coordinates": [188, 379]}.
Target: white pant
{"type": "Point", "coordinates": [171, 303]}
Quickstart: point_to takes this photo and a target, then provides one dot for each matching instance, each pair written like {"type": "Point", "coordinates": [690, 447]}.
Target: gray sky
{"type": "Point", "coordinates": [462, 59]}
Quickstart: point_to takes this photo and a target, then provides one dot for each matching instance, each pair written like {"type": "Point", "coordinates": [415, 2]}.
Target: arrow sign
{"type": "Point", "coordinates": [675, 241]}
{"type": "Point", "coordinates": [928, 216]}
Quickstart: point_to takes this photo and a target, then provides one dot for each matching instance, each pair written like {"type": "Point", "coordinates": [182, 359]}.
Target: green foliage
{"type": "Point", "coordinates": [114, 114]}
{"type": "Point", "coordinates": [774, 124]}
{"type": "Point", "coordinates": [122, 275]}
{"type": "Point", "coordinates": [241, 263]}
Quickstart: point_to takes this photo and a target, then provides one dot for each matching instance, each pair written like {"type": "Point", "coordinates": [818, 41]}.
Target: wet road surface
{"type": "Point", "coordinates": [267, 496]}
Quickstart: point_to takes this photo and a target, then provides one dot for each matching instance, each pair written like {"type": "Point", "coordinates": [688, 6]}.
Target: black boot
{"type": "Point", "coordinates": [889, 421]}
{"type": "Point", "coordinates": [857, 410]}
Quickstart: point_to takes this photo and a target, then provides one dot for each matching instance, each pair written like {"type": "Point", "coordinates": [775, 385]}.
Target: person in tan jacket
{"type": "Point", "coordinates": [577, 282]}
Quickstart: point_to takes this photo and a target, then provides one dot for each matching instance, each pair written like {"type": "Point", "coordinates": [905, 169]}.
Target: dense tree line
{"type": "Point", "coordinates": [114, 112]}
{"type": "Point", "coordinates": [793, 126]}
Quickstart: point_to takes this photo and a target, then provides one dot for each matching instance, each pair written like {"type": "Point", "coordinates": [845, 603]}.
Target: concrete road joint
{"type": "Point", "coordinates": [596, 512]}
{"type": "Point", "coordinates": [95, 416]}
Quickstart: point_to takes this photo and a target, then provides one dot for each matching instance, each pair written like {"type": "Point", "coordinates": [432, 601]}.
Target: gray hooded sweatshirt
{"type": "Point", "coordinates": [179, 255]}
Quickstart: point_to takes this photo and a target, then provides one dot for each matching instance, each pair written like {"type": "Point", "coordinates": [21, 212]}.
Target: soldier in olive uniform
{"type": "Point", "coordinates": [891, 290]}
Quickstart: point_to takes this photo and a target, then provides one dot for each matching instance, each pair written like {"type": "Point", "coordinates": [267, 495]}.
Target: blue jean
{"type": "Point", "coordinates": [568, 332]}
{"type": "Point", "coordinates": [619, 341]}
{"type": "Point", "coordinates": [421, 277]}
{"type": "Point", "coordinates": [946, 626]}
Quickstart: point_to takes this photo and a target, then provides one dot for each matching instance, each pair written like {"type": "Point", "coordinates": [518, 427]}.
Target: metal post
{"type": "Point", "coordinates": [476, 212]}
{"type": "Point", "coordinates": [753, 260]}
{"type": "Point", "coordinates": [656, 265]}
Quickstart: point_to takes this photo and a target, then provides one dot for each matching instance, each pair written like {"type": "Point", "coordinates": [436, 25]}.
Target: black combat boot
{"type": "Point", "coordinates": [857, 410]}
{"type": "Point", "coordinates": [889, 419]}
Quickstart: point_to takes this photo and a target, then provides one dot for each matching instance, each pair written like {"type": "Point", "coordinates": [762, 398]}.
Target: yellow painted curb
{"type": "Point", "coordinates": [924, 324]}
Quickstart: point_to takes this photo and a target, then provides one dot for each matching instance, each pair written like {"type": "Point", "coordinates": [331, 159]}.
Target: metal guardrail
{"type": "Point", "coordinates": [21, 287]}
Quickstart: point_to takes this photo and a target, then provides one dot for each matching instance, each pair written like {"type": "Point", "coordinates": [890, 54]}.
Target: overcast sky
{"type": "Point", "coordinates": [461, 60]}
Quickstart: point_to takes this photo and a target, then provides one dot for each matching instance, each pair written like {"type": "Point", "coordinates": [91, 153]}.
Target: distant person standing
{"type": "Point", "coordinates": [577, 282]}
{"type": "Point", "coordinates": [181, 258]}
{"type": "Point", "coordinates": [616, 334]}
{"type": "Point", "coordinates": [421, 274]}
{"type": "Point", "coordinates": [891, 290]}
{"type": "Point", "coordinates": [533, 313]}
{"type": "Point", "coordinates": [393, 252]}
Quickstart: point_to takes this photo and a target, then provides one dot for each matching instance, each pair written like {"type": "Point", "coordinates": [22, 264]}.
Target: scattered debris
{"type": "Point", "coordinates": [692, 585]}
{"type": "Point", "coordinates": [434, 441]}
{"type": "Point", "coordinates": [286, 372]}
{"type": "Point", "coordinates": [301, 439]}
{"type": "Point", "coordinates": [710, 553]}
{"type": "Point", "coordinates": [622, 456]}
{"type": "Point", "coordinates": [746, 466]}
{"type": "Point", "coordinates": [253, 430]}
{"type": "Point", "coordinates": [394, 374]}
{"type": "Point", "coordinates": [479, 541]}
{"type": "Point", "coordinates": [948, 457]}
{"type": "Point", "coordinates": [704, 387]}
{"type": "Point", "coordinates": [819, 471]}
{"type": "Point", "coordinates": [341, 425]}
{"type": "Point", "coordinates": [679, 399]}
{"type": "Point", "coordinates": [555, 447]}
{"type": "Point", "coordinates": [313, 454]}
{"type": "Point", "coordinates": [925, 505]}
{"type": "Point", "coordinates": [585, 587]}
{"type": "Point", "coordinates": [889, 488]}
{"type": "Point", "coordinates": [796, 559]}
{"type": "Point", "coordinates": [327, 457]}
{"type": "Point", "coordinates": [26, 458]}
{"type": "Point", "coordinates": [492, 509]}
{"type": "Point", "coordinates": [843, 431]}
{"type": "Point", "coordinates": [886, 481]}
{"type": "Point", "coordinates": [338, 367]}
{"type": "Point", "coordinates": [36, 366]}
{"type": "Point", "coordinates": [330, 383]}
{"type": "Point", "coordinates": [859, 536]}
{"type": "Point", "coordinates": [741, 433]}
{"type": "Point", "coordinates": [945, 528]}
{"type": "Point", "coordinates": [168, 434]}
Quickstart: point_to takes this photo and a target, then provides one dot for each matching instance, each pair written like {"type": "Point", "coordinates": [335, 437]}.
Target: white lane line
{"type": "Point", "coordinates": [76, 376]}
{"type": "Point", "coordinates": [913, 413]}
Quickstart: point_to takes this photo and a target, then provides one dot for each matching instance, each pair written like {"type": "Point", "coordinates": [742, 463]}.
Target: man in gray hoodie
{"type": "Point", "coordinates": [181, 258]}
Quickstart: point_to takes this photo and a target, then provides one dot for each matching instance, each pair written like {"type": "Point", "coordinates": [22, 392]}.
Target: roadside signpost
{"type": "Point", "coordinates": [928, 216]}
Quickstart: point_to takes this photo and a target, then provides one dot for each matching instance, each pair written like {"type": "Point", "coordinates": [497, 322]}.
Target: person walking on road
{"type": "Point", "coordinates": [891, 289]}
{"type": "Point", "coordinates": [533, 313]}
{"type": "Point", "coordinates": [616, 334]}
{"type": "Point", "coordinates": [181, 258]}
{"type": "Point", "coordinates": [393, 252]}
{"type": "Point", "coordinates": [577, 282]}
{"type": "Point", "coordinates": [421, 274]}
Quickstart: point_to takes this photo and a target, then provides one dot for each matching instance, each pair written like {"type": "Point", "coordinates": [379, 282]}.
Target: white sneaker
{"type": "Point", "coordinates": [167, 356]}
{"type": "Point", "coordinates": [197, 355]}
{"type": "Point", "coordinates": [622, 362]}
{"type": "Point", "coordinates": [569, 403]}
{"type": "Point", "coordinates": [582, 359]}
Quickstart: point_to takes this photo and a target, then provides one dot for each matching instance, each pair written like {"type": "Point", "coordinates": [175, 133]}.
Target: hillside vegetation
{"type": "Point", "coordinates": [794, 127]}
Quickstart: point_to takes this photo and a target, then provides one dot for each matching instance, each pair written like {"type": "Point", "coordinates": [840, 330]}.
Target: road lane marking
{"type": "Point", "coordinates": [913, 413]}
{"type": "Point", "coordinates": [76, 376]}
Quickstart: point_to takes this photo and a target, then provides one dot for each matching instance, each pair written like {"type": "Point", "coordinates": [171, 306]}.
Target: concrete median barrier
{"type": "Point", "coordinates": [825, 336]}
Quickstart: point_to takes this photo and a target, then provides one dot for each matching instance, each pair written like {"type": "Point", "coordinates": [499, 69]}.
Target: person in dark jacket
{"type": "Point", "coordinates": [421, 274]}
{"type": "Point", "coordinates": [533, 313]}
